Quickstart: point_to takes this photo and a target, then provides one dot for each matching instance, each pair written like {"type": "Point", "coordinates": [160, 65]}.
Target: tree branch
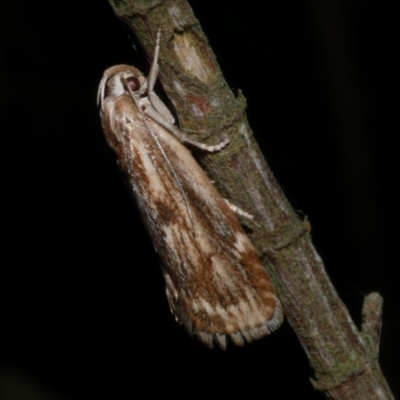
{"type": "Point", "coordinates": [344, 359]}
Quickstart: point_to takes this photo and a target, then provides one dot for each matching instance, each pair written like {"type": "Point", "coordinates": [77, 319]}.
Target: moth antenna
{"type": "Point", "coordinates": [159, 145]}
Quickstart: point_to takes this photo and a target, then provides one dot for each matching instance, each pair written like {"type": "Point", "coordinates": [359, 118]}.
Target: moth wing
{"type": "Point", "coordinates": [216, 285]}
{"type": "Point", "coordinates": [215, 282]}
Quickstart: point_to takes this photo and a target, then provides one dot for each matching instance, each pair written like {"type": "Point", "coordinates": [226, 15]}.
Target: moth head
{"type": "Point", "coordinates": [118, 79]}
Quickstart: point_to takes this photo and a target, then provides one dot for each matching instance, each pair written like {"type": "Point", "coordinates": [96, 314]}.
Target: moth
{"type": "Point", "coordinates": [215, 283]}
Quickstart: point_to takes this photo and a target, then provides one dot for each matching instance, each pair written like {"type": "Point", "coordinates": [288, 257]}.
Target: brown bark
{"type": "Point", "coordinates": [345, 360]}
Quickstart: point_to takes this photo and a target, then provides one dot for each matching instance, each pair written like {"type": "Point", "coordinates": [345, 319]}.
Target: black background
{"type": "Point", "coordinates": [82, 304]}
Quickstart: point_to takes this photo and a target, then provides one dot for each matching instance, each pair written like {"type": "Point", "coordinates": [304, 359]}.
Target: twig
{"type": "Point", "coordinates": [344, 360]}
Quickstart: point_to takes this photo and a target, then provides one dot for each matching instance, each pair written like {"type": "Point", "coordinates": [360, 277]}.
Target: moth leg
{"type": "Point", "coordinates": [238, 210]}
{"type": "Point", "coordinates": [151, 79]}
{"type": "Point", "coordinates": [155, 101]}
{"type": "Point", "coordinates": [182, 137]}
{"type": "Point", "coordinates": [205, 147]}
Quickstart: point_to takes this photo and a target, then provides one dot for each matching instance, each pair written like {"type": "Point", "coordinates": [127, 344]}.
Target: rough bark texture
{"type": "Point", "coordinates": [345, 360]}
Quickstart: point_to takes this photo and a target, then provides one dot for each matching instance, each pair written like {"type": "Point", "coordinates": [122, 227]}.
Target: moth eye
{"type": "Point", "coordinates": [133, 83]}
